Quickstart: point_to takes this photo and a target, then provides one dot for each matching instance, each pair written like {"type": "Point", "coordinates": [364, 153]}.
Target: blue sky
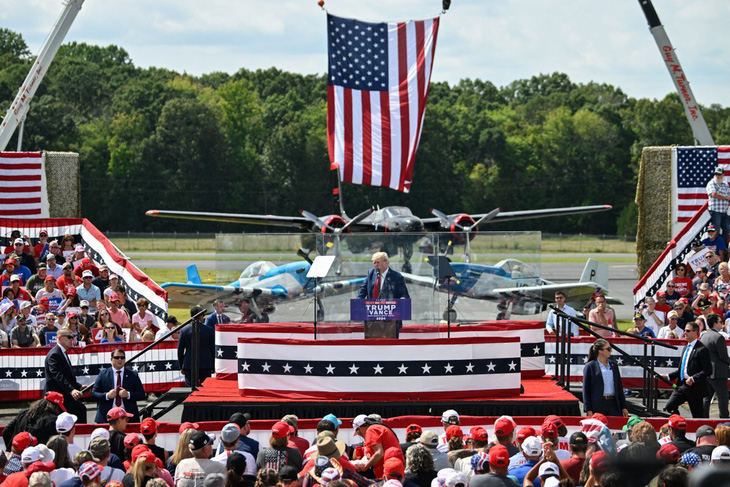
{"type": "Point", "coordinates": [495, 40]}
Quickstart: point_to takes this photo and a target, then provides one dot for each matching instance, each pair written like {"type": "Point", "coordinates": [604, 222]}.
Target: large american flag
{"type": "Point", "coordinates": [22, 185]}
{"type": "Point", "coordinates": [378, 82]}
{"type": "Point", "coordinates": [694, 169]}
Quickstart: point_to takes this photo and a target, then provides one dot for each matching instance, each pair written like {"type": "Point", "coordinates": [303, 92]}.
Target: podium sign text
{"type": "Point", "coordinates": [380, 309]}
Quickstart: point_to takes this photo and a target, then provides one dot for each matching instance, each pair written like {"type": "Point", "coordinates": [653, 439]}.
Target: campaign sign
{"type": "Point", "coordinates": [380, 309]}
{"type": "Point", "coordinates": [51, 338]}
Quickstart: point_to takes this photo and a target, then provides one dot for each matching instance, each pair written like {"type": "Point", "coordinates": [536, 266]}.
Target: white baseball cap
{"type": "Point", "coordinates": [449, 415]}
{"type": "Point", "coordinates": [100, 433]}
{"type": "Point", "coordinates": [30, 455]}
{"type": "Point", "coordinates": [65, 422]}
{"type": "Point", "coordinates": [358, 421]}
{"type": "Point", "coordinates": [548, 468]}
{"type": "Point", "coordinates": [532, 446]}
{"type": "Point", "coordinates": [721, 453]}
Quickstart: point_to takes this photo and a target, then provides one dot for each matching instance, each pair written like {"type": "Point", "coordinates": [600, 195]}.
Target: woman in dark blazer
{"type": "Point", "coordinates": [596, 397]}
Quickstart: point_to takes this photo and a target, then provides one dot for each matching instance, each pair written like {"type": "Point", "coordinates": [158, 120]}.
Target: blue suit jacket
{"type": "Point", "coordinates": [212, 320]}
{"type": "Point", "coordinates": [593, 385]}
{"type": "Point", "coordinates": [106, 381]}
{"type": "Point", "coordinates": [392, 287]}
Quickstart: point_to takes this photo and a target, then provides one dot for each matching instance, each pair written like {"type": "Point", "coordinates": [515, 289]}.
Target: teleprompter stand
{"type": "Point", "coordinates": [320, 268]}
{"type": "Point", "coordinates": [445, 271]}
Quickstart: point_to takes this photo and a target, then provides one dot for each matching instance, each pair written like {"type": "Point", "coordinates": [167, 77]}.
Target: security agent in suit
{"type": "Point", "coordinates": [603, 391]}
{"type": "Point", "coordinates": [60, 376]}
{"type": "Point", "coordinates": [691, 375]}
{"type": "Point", "coordinates": [717, 347]}
{"type": "Point", "coordinates": [206, 339]}
{"type": "Point", "coordinates": [106, 389]}
{"type": "Point", "coordinates": [391, 286]}
{"type": "Point", "coordinates": [217, 318]}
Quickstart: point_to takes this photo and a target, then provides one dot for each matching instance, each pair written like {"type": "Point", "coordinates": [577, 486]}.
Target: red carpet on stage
{"type": "Point", "coordinates": [217, 399]}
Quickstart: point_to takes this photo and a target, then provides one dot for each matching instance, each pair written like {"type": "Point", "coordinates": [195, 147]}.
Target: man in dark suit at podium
{"type": "Point", "coordinates": [382, 282]}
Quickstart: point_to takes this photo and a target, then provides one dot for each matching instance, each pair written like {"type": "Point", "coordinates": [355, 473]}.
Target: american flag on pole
{"type": "Point", "coordinates": [22, 185]}
{"type": "Point", "coordinates": [694, 168]}
{"type": "Point", "coordinates": [378, 83]}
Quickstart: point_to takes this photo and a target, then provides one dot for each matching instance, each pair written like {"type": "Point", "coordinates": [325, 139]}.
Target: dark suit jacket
{"type": "Point", "coordinates": [715, 343]}
{"type": "Point", "coordinates": [212, 320]}
{"type": "Point", "coordinates": [699, 367]}
{"type": "Point", "coordinates": [207, 347]}
{"type": "Point", "coordinates": [392, 287]}
{"type": "Point", "coordinates": [593, 385]}
{"type": "Point", "coordinates": [59, 375]}
{"type": "Point", "coordinates": [106, 381]}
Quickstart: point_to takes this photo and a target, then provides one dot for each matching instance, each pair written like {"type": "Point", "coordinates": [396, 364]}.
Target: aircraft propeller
{"type": "Point", "coordinates": [337, 232]}
{"type": "Point", "coordinates": [466, 229]}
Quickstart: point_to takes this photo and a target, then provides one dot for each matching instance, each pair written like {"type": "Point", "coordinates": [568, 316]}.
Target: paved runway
{"type": "Point", "coordinates": [622, 278]}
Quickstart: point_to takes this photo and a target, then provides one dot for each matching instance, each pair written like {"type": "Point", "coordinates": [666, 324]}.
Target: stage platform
{"type": "Point", "coordinates": [217, 400]}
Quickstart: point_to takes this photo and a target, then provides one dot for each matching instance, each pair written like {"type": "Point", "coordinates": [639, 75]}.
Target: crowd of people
{"type": "Point", "coordinates": [49, 454]}
{"type": "Point", "coordinates": [52, 286]}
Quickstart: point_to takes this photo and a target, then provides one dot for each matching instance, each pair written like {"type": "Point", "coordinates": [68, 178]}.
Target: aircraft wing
{"type": "Point", "coordinates": [575, 292]}
{"type": "Point", "coordinates": [276, 220]}
{"type": "Point", "coordinates": [434, 223]}
{"type": "Point", "coordinates": [193, 294]}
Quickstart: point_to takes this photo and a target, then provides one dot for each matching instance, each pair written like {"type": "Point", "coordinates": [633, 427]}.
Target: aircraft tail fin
{"type": "Point", "coordinates": [595, 271]}
{"type": "Point", "coordinates": [193, 275]}
{"type": "Point", "coordinates": [338, 208]}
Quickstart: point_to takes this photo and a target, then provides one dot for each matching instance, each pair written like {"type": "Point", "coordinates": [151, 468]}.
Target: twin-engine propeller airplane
{"type": "Point", "coordinates": [516, 286]}
{"type": "Point", "coordinates": [463, 227]}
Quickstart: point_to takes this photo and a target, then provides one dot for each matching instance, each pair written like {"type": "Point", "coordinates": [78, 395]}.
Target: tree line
{"type": "Point", "coordinates": [256, 142]}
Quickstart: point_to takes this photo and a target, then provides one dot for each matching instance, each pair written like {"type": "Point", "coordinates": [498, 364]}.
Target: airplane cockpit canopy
{"type": "Point", "coordinates": [517, 269]}
{"type": "Point", "coordinates": [392, 211]}
{"type": "Point", "coordinates": [257, 270]}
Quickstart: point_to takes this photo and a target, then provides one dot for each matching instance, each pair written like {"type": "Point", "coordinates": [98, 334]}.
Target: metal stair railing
{"type": "Point", "coordinates": [650, 397]}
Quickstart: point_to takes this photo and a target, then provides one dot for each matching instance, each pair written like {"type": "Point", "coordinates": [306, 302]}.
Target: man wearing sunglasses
{"type": "Point", "coordinates": [117, 387]}
{"type": "Point", "coordinates": [694, 367]}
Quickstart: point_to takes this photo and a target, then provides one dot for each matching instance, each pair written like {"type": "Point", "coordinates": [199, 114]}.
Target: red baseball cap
{"type": "Point", "coordinates": [72, 314]}
{"type": "Point", "coordinates": [148, 426]}
{"type": "Point", "coordinates": [116, 413]}
{"type": "Point", "coordinates": [281, 429]}
{"type": "Point", "coordinates": [56, 398]}
{"type": "Point", "coordinates": [413, 428]}
{"type": "Point", "coordinates": [677, 422]}
{"type": "Point", "coordinates": [525, 432]}
{"type": "Point", "coordinates": [70, 291]}
{"type": "Point", "coordinates": [503, 427]}
{"type": "Point", "coordinates": [394, 465]}
{"type": "Point", "coordinates": [549, 430]}
{"type": "Point", "coordinates": [479, 434]}
{"type": "Point", "coordinates": [86, 263]}
{"type": "Point", "coordinates": [555, 420]}
{"type": "Point", "coordinates": [113, 297]}
{"type": "Point", "coordinates": [132, 440]}
{"type": "Point", "coordinates": [23, 440]}
{"type": "Point", "coordinates": [188, 425]}
{"type": "Point", "coordinates": [600, 461]}
{"type": "Point", "coordinates": [669, 453]}
{"type": "Point", "coordinates": [499, 456]}
{"type": "Point", "coordinates": [454, 430]}
{"type": "Point", "coordinates": [143, 451]}
{"type": "Point", "coordinates": [49, 278]}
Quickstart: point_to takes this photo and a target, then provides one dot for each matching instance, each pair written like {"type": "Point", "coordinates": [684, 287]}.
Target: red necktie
{"type": "Point", "coordinates": [376, 289]}
{"type": "Point", "coordinates": [118, 399]}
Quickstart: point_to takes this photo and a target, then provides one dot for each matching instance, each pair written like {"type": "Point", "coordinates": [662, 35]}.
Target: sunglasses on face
{"type": "Point", "coordinates": [118, 357]}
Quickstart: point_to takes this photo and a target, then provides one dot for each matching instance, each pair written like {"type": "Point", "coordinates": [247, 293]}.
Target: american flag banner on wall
{"type": "Point", "coordinates": [377, 87]}
{"type": "Point", "coordinates": [23, 185]}
{"type": "Point", "coordinates": [693, 168]}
